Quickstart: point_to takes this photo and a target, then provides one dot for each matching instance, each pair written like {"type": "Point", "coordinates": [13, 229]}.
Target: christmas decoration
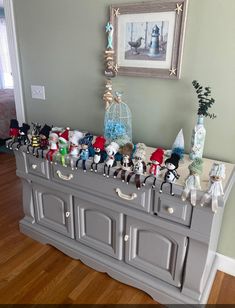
{"type": "Point", "coordinates": [23, 138]}
{"type": "Point", "coordinates": [13, 133]}
{"type": "Point", "coordinates": [63, 143]}
{"type": "Point", "coordinates": [192, 183]}
{"type": "Point", "coordinates": [126, 161]}
{"type": "Point", "coordinates": [178, 145]}
{"type": "Point", "coordinates": [35, 138]}
{"type": "Point", "coordinates": [155, 165]}
{"type": "Point", "coordinates": [215, 190]}
{"type": "Point", "coordinates": [74, 138]}
{"type": "Point", "coordinates": [44, 143]}
{"type": "Point", "coordinates": [199, 132]}
{"type": "Point", "coordinates": [171, 175]}
{"type": "Point", "coordinates": [99, 152]}
{"type": "Point", "coordinates": [117, 122]}
{"type": "Point", "coordinates": [108, 96]}
{"type": "Point", "coordinates": [179, 8]}
{"type": "Point", "coordinates": [139, 165]}
{"type": "Point", "coordinates": [53, 146]}
{"type": "Point", "coordinates": [110, 161]}
{"type": "Point", "coordinates": [84, 153]}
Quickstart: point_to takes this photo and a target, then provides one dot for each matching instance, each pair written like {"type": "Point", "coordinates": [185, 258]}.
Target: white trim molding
{"type": "Point", "coordinates": [14, 56]}
{"type": "Point", "coordinates": [226, 264]}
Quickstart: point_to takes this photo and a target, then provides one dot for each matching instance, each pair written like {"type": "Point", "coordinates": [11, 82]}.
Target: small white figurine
{"type": "Point", "coordinates": [111, 151]}
{"type": "Point", "coordinates": [192, 183]}
{"type": "Point", "coordinates": [217, 174]}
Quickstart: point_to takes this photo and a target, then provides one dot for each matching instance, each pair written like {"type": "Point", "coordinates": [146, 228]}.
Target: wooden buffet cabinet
{"type": "Point", "coordinates": [152, 241]}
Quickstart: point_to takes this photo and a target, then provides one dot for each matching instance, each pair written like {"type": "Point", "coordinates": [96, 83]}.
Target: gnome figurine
{"type": "Point", "coordinates": [171, 175]}
{"type": "Point", "coordinates": [44, 136]}
{"type": "Point", "coordinates": [139, 165]}
{"type": "Point", "coordinates": [192, 183]}
{"type": "Point", "coordinates": [13, 133]}
{"type": "Point", "coordinates": [23, 139]}
{"type": "Point", "coordinates": [111, 150]}
{"type": "Point", "coordinates": [215, 190]}
{"type": "Point", "coordinates": [155, 165]}
{"type": "Point", "coordinates": [126, 161]}
{"type": "Point", "coordinates": [99, 152]}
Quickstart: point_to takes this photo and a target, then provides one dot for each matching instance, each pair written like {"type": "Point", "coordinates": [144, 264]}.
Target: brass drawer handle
{"type": "Point", "coordinates": [34, 167]}
{"type": "Point", "coordinates": [170, 210]}
{"type": "Point", "coordinates": [64, 177]}
{"type": "Point", "coordinates": [126, 197]}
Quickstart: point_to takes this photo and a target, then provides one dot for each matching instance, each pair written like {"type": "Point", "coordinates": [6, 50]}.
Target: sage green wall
{"type": "Point", "coordinates": [61, 46]}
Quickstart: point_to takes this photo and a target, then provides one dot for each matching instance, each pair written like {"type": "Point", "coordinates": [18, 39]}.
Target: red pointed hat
{"type": "Point", "coordinates": [64, 137]}
{"type": "Point", "coordinates": [99, 143]}
{"type": "Point", "coordinates": [158, 155]}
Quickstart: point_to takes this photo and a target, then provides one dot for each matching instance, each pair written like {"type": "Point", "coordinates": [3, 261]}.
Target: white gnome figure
{"type": "Point", "coordinates": [192, 183]}
{"type": "Point", "coordinates": [110, 162]}
{"type": "Point", "coordinates": [215, 190]}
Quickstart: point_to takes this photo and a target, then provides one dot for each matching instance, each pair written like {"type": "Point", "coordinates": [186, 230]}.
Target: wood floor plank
{"type": "Point", "coordinates": [33, 273]}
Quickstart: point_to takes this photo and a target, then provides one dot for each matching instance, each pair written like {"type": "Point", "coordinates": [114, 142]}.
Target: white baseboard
{"type": "Point", "coordinates": [226, 264]}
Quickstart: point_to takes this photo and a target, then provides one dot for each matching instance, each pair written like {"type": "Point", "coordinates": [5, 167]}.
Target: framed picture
{"type": "Point", "coordinates": [148, 37]}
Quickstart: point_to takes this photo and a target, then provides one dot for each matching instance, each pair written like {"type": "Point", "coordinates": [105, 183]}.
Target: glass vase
{"type": "Point", "coordinates": [198, 139]}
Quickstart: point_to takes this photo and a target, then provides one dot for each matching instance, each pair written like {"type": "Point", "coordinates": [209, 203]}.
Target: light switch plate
{"type": "Point", "coordinates": [38, 92]}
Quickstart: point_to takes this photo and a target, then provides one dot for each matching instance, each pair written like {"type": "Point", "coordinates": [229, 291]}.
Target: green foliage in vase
{"type": "Point", "coordinates": [204, 99]}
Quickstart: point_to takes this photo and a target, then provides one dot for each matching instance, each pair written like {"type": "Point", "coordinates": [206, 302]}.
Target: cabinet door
{"type": "Point", "coordinates": [54, 210]}
{"type": "Point", "coordinates": [99, 227]}
{"type": "Point", "coordinates": [154, 250]}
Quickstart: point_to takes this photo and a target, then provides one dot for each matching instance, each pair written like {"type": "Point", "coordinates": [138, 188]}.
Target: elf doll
{"type": "Point", "coordinates": [53, 146]}
{"type": "Point", "coordinates": [84, 153]}
{"type": "Point", "coordinates": [171, 175]}
{"type": "Point", "coordinates": [192, 183]}
{"type": "Point", "coordinates": [74, 138]}
{"type": "Point", "coordinates": [139, 165]}
{"type": "Point", "coordinates": [23, 139]}
{"type": "Point", "coordinates": [215, 190]}
{"type": "Point", "coordinates": [35, 139]}
{"type": "Point", "coordinates": [63, 143]}
{"type": "Point", "coordinates": [13, 133]}
{"type": "Point", "coordinates": [155, 165]}
{"type": "Point", "coordinates": [44, 143]}
{"type": "Point", "coordinates": [126, 161]}
{"type": "Point", "coordinates": [99, 152]}
{"type": "Point", "coordinates": [110, 162]}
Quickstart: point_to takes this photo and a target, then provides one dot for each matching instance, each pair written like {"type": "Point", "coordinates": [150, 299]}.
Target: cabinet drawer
{"type": "Point", "coordinates": [109, 188]}
{"type": "Point", "coordinates": [172, 208]}
{"type": "Point", "coordinates": [37, 166]}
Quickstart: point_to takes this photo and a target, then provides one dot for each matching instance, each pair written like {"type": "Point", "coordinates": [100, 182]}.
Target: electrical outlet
{"type": "Point", "coordinates": [38, 92]}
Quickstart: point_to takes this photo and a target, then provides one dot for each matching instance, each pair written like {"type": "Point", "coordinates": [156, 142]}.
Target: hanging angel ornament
{"type": "Point", "coordinates": [215, 190]}
{"type": "Point", "coordinates": [192, 183]}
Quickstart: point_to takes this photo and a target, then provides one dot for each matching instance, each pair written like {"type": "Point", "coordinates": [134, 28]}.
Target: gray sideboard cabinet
{"type": "Point", "coordinates": [154, 242]}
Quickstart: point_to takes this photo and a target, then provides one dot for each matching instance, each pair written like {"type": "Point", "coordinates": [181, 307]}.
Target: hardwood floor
{"type": "Point", "coordinates": [33, 273]}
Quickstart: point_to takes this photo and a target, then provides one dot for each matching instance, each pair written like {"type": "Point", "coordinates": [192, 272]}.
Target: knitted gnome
{"type": "Point", "coordinates": [155, 165]}
{"type": "Point", "coordinates": [23, 139]}
{"type": "Point", "coordinates": [84, 153]}
{"type": "Point", "coordinates": [44, 136]}
{"type": "Point", "coordinates": [126, 162]}
{"type": "Point", "coordinates": [14, 132]}
{"type": "Point", "coordinates": [99, 152]}
{"type": "Point", "coordinates": [53, 144]}
{"type": "Point", "coordinates": [171, 175]}
{"type": "Point", "coordinates": [215, 190]}
{"type": "Point", "coordinates": [139, 165]}
{"type": "Point", "coordinates": [111, 150]}
{"type": "Point", "coordinates": [192, 183]}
